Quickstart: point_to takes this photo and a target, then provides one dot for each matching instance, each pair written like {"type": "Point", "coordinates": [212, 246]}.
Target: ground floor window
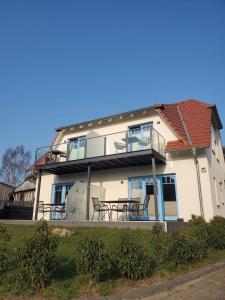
{"type": "Point", "coordinates": [60, 192]}
{"type": "Point", "coordinates": [142, 187]}
{"type": "Point", "coordinates": [59, 195]}
{"type": "Point", "coordinates": [169, 196]}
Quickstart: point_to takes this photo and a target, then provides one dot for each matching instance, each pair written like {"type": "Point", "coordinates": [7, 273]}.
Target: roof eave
{"type": "Point", "coordinates": [217, 117]}
{"type": "Point", "coordinates": [104, 118]}
{"type": "Point", "coordinates": [186, 148]}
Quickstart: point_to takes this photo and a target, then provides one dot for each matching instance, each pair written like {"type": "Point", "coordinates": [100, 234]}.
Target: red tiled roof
{"type": "Point", "coordinates": [41, 160]}
{"type": "Point", "coordinates": [197, 117]}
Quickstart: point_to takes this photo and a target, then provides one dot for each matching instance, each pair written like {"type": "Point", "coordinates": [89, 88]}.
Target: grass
{"type": "Point", "coordinates": [63, 282]}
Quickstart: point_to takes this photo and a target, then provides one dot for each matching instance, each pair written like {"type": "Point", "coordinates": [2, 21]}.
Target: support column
{"type": "Point", "coordinates": [38, 195]}
{"type": "Point", "coordinates": [155, 189]}
{"type": "Point", "coordinates": [88, 192]}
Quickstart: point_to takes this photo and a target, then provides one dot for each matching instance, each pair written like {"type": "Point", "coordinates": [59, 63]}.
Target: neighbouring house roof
{"type": "Point", "coordinates": [6, 184]}
{"type": "Point", "coordinates": [26, 185]}
{"type": "Point", "coordinates": [191, 121]}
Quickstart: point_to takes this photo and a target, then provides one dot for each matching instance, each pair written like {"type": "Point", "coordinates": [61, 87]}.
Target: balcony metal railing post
{"type": "Point", "coordinates": [126, 141]}
{"type": "Point", "coordinates": [36, 152]}
{"type": "Point", "coordinates": [105, 140]}
{"type": "Point", "coordinates": [51, 157]}
{"type": "Point", "coordinates": [158, 144]}
{"type": "Point", "coordinates": [151, 144]}
{"type": "Point", "coordinates": [85, 152]}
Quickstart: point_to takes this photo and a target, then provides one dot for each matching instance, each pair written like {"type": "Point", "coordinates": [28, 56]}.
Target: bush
{"type": "Point", "coordinates": [4, 238]}
{"type": "Point", "coordinates": [92, 258]}
{"type": "Point", "coordinates": [199, 229]}
{"type": "Point", "coordinates": [217, 233]}
{"type": "Point", "coordinates": [184, 249]}
{"type": "Point", "coordinates": [159, 241]}
{"type": "Point", "coordinates": [37, 255]}
{"type": "Point", "coordinates": [132, 260]}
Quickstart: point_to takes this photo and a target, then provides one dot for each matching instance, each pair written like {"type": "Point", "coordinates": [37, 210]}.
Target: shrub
{"type": "Point", "coordinates": [159, 242]}
{"type": "Point", "coordinates": [5, 236]}
{"type": "Point", "coordinates": [196, 221]}
{"type": "Point", "coordinates": [198, 228]}
{"type": "Point", "coordinates": [184, 249]}
{"type": "Point", "coordinates": [91, 257]}
{"type": "Point", "coordinates": [132, 260]}
{"type": "Point", "coordinates": [37, 255]}
{"type": "Point", "coordinates": [217, 233]}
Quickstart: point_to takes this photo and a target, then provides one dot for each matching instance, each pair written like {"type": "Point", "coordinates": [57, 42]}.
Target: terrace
{"type": "Point", "coordinates": [93, 152]}
{"type": "Point", "coordinates": [121, 149]}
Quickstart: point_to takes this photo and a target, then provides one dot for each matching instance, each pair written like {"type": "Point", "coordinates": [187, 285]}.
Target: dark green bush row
{"type": "Point", "coordinates": [126, 258]}
{"type": "Point", "coordinates": [189, 245]}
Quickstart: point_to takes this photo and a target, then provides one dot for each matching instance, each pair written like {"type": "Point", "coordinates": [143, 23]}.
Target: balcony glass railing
{"type": "Point", "coordinates": [96, 146]}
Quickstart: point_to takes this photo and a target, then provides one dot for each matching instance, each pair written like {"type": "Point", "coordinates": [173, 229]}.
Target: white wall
{"type": "Point", "coordinates": [216, 167]}
{"type": "Point", "coordinates": [181, 163]}
{"type": "Point", "coordinates": [115, 182]}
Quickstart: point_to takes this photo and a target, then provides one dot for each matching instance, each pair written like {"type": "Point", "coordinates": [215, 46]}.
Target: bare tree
{"type": "Point", "coordinates": [15, 163]}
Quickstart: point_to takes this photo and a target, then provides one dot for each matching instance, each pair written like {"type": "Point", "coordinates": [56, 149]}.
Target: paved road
{"type": "Point", "coordinates": [209, 287]}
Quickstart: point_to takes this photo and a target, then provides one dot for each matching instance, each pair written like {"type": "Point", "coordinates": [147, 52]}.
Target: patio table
{"type": "Point", "coordinates": [52, 208]}
{"type": "Point", "coordinates": [131, 139]}
{"type": "Point", "coordinates": [124, 201]}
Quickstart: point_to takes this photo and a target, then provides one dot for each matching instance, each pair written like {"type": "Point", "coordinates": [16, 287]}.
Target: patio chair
{"type": "Point", "coordinates": [143, 207]}
{"type": "Point", "coordinates": [119, 146]}
{"type": "Point", "coordinates": [145, 142]}
{"type": "Point", "coordinates": [99, 208]}
{"type": "Point", "coordinates": [120, 208]}
{"type": "Point", "coordinates": [133, 208]}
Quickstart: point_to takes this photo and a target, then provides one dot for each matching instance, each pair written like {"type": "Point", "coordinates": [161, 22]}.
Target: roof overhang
{"type": "Point", "coordinates": [216, 116]}
{"type": "Point", "coordinates": [130, 113]}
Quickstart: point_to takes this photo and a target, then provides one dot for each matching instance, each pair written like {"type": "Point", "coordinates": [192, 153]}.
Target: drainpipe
{"type": "Point", "coordinates": [194, 152]}
{"type": "Point", "coordinates": [195, 157]}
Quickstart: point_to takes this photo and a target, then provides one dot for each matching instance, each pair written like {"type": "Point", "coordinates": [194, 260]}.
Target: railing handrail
{"type": "Point", "coordinates": [94, 137]}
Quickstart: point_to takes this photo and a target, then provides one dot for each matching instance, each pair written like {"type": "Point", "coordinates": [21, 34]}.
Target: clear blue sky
{"type": "Point", "coordinates": [62, 62]}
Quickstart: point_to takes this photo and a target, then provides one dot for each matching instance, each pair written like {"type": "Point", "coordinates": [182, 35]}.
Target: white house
{"type": "Point", "coordinates": [162, 162]}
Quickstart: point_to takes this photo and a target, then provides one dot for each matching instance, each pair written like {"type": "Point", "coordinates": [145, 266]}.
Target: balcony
{"type": "Point", "coordinates": [121, 149]}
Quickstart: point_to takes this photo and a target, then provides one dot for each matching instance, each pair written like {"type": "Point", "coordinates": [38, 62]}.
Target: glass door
{"type": "Point", "coordinates": [142, 187]}
{"type": "Point", "coordinates": [59, 195]}
{"type": "Point", "coordinates": [169, 197]}
{"type": "Point", "coordinates": [139, 137]}
{"type": "Point", "coordinates": [76, 148]}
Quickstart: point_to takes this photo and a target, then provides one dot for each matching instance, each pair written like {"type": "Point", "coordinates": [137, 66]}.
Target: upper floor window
{"type": "Point", "coordinates": [76, 148]}
{"type": "Point", "coordinates": [140, 137]}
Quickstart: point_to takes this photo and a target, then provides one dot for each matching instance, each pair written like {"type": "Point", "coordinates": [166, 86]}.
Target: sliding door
{"type": "Point", "coordinates": [142, 187]}
{"type": "Point", "coordinates": [59, 195]}
{"type": "Point", "coordinates": [139, 137]}
{"type": "Point", "coordinates": [76, 148]}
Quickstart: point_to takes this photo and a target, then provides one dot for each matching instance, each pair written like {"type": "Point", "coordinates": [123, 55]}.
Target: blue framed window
{"type": "Point", "coordinates": [169, 197]}
{"type": "Point", "coordinates": [142, 187]}
{"type": "Point", "coordinates": [76, 148]}
{"type": "Point", "coordinates": [59, 194]}
{"type": "Point", "coordinates": [143, 134]}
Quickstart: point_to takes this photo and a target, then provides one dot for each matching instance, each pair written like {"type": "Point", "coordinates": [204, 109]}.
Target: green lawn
{"type": "Point", "coordinates": [63, 282]}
